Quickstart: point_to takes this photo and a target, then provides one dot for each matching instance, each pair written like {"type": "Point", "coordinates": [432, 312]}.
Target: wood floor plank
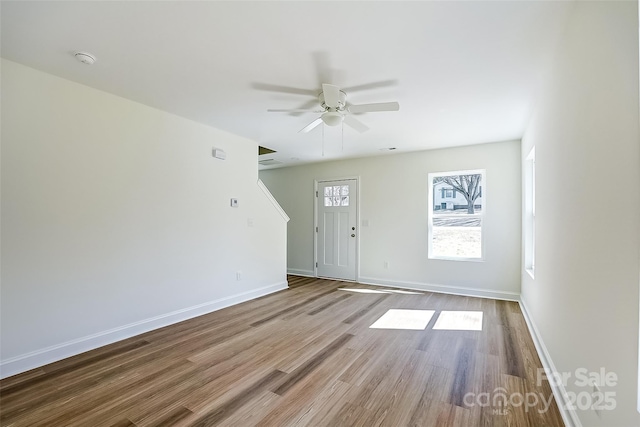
{"type": "Point", "coordinates": [463, 373]}
{"type": "Point", "coordinates": [291, 308]}
{"type": "Point", "coordinates": [52, 374]}
{"type": "Point", "coordinates": [329, 304]}
{"type": "Point", "coordinates": [297, 375]}
{"type": "Point", "coordinates": [123, 423]}
{"type": "Point", "coordinates": [402, 399]}
{"type": "Point", "coordinates": [301, 349]}
{"type": "Point", "coordinates": [312, 394]}
{"type": "Point", "coordinates": [351, 415]}
{"type": "Point", "coordinates": [252, 413]}
{"type": "Point", "coordinates": [222, 412]}
{"type": "Point", "coordinates": [305, 356]}
{"type": "Point", "coordinates": [325, 405]}
{"type": "Point", "coordinates": [358, 314]}
{"type": "Point", "coordinates": [173, 417]}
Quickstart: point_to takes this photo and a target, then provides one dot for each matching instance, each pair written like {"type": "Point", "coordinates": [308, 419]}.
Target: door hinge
{"type": "Point", "coordinates": [316, 229]}
{"type": "Point", "coordinates": [316, 265]}
{"type": "Point", "coordinates": [316, 194]}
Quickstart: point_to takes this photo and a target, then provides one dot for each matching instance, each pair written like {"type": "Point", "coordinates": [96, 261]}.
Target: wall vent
{"type": "Point", "coordinates": [269, 162]}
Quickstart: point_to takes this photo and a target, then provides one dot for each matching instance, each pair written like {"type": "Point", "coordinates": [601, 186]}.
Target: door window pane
{"type": "Point", "coordinates": [336, 195]}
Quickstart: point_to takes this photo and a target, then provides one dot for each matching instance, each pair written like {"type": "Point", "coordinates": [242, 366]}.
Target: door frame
{"type": "Point", "coordinates": [315, 222]}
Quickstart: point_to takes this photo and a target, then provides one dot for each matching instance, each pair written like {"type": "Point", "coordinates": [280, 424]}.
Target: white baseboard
{"type": "Point", "coordinates": [569, 416]}
{"type": "Point", "coordinates": [35, 359]}
{"type": "Point", "coordinates": [470, 292]}
{"type": "Point", "coordinates": [297, 272]}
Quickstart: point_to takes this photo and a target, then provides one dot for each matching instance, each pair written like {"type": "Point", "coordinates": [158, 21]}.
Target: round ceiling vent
{"type": "Point", "coordinates": [85, 58]}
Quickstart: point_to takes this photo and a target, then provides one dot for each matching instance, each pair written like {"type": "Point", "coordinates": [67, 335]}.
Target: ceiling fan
{"type": "Point", "coordinates": [336, 109]}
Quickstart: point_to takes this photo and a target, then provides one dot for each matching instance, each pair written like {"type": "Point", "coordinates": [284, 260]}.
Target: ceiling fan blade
{"type": "Point", "coordinates": [311, 125]}
{"type": "Point", "coordinates": [368, 108]}
{"type": "Point", "coordinates": [372, 85]}
{"type": "Point", "coordinates": [284, 89]}
{"type": "Point", "coordinates": [331, 95]}
{"type": "Point", "coordinates": [307, 106]}
{"type": "Point", "coordinates": [292, 110]}
{"type": "Point", "coordinates": [355, 123]}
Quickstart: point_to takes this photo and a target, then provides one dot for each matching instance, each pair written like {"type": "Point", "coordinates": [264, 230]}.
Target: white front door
{"type": "Point", "coordinates": [336, 229]}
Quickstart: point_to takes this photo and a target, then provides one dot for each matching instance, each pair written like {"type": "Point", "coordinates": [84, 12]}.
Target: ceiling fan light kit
{"type": "Point", "coordinates": [332, 118]}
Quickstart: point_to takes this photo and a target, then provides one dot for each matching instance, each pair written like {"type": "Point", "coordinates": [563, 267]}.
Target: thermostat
{"type": "Point", "coordinates": [219, 153]}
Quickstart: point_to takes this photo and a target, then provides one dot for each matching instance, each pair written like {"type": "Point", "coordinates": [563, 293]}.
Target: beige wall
{"type": "Point", "coordinates": [584, 298]}
{"type": "Point", "coordinates": [116, 219]}
{"type": "Point", "coordinates": [393, 200]}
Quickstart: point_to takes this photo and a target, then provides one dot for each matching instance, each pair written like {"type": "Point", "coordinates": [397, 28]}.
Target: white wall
{"type": "Point", "coordinates": [584, 299]}
{"type": "Point", "coordinates": [116, 219]}
{"type": "Point", "coordinates": [393, 199]}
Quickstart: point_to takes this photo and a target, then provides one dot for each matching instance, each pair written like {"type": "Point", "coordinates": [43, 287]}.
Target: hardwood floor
{"type": "Point", "coordinates": [305, 356]}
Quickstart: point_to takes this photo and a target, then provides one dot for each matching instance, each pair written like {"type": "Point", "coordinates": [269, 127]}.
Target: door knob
{"type": "Point", "coordinates": [353, 235]}
{"type": "Point", "coordinates": [353, 228]}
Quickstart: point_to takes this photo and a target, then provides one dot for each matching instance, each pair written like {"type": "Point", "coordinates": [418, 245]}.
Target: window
{"type": "Point", "coordinates": [530, 212]}
{"type": "Point", "coordinates": [456, 210]}
{"type": "Point", "coordinates": [337, 195]}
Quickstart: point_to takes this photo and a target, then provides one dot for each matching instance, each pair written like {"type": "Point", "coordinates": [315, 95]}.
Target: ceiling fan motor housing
{"type": "Point", "coordinates": [342, 102]}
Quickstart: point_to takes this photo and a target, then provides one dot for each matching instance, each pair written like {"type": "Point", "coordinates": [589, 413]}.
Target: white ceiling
{"type": "Point", "coordinates": [463, 72]}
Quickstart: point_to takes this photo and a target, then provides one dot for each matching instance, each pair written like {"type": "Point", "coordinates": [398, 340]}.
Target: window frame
{"type": "Point", "coordinates": [530, 213]}
{"type": "Point", "coordinates": [481, 215]}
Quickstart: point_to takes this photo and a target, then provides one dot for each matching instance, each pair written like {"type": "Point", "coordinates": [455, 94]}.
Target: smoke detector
{"type": "Point", "coordinates": [85, 58]}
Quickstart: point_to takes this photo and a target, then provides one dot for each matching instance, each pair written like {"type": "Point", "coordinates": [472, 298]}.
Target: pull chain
{"type": "Point", "coordinates": [323, 140]}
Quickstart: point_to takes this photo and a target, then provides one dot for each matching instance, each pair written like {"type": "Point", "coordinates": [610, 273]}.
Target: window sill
{"type": "Point", "coordinates": [442, 258]}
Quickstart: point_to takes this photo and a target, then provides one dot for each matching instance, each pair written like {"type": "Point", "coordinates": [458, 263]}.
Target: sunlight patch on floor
{"type": "Point", "coordinates": [379, 291]}
{"type": "Point", "coordinates": [459, 321]}
{"type": "Point", "coordinates": [404, 319]}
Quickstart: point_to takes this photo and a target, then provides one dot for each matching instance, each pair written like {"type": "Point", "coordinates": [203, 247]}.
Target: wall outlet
{"type": "Point", "coordinates": [234, 203]}
{"type": "Point", "coordinates": [238, 275]}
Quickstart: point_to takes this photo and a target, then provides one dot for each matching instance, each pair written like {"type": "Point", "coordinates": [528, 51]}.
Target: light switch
{"type": "Point", "coordinates": [234, 203]}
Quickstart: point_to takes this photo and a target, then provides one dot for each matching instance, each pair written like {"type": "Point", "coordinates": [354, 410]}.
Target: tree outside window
{"type": "Point", "coordinates": [456, 210]}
